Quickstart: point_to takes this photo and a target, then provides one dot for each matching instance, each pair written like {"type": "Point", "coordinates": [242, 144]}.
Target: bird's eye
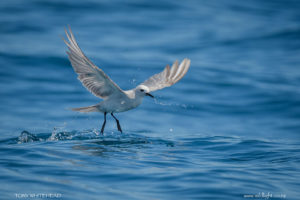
{"type": "Point", "coordinates": [142, 90]}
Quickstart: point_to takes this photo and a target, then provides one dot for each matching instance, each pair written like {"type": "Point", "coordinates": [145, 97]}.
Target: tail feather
{"type": "Point", "coordinates": [86, 109]}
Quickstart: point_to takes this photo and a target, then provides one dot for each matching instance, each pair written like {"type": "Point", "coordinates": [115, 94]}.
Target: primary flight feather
{"type": "Point", "coordinates": [114, 98]}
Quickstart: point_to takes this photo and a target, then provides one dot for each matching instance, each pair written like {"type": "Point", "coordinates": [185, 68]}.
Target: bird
{"type": "Point", "coordinates": [114, 99]}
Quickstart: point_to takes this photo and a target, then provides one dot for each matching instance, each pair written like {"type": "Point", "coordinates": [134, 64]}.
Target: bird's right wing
{"type": "Point", "coordinates": [93, 78]}
{"type": "Point", "coordinates": [168, 76]}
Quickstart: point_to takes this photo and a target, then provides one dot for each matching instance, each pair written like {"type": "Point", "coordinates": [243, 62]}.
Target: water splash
{"type": "Point", "coordinates": [56, 135]}
{"type": "Point", "coordinates": [89, 137]}
{"type": "Point", "coordinates": [184, 106]}
{"type": "Point", "coordinates": [27, 137]}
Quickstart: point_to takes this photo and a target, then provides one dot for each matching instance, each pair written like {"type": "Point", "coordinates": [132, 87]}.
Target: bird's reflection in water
{"type": "Point", "coordinates": [129, 143]}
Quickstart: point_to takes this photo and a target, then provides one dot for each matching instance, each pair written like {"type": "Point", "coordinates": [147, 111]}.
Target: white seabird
{"type": "Point", "coordinates": [115, 99]}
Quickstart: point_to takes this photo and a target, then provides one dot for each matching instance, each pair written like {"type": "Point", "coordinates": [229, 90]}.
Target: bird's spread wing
{"type": "Point", "coordinates": [93, 78]}
{"type": "Point", "coordinates": [168, 76]}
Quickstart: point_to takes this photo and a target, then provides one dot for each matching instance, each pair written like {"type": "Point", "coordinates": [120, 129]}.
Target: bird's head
{"type": "Point", "coordinates": [142, 91]}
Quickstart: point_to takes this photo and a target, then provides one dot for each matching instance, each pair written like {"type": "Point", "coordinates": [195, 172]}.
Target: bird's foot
{"type": "Point", "coordinates": [119, 126]}
{"type": "Point", "coordinates": [119, 129]}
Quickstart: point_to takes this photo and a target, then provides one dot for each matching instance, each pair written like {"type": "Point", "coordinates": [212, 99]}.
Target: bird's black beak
{"type": "Point", "coordinates": [150, 95]}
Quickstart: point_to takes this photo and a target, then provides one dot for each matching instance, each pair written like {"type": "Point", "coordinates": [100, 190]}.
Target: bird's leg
{"type": "Point", "coordinates": [103, 125]}
{"type": "Point", "coordinates": [118, 123]}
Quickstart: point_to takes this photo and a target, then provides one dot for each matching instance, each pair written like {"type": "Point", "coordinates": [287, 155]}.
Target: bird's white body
{"type": "Point", "coordinates": [118, 102]}
{"type": "Point", "coordinates": [115, 99]}
{"type": "Point", "coordinates": [122, 103]}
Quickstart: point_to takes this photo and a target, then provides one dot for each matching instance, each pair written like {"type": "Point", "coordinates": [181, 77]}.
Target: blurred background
{"type": "Point", "coordinates": [239, 104]}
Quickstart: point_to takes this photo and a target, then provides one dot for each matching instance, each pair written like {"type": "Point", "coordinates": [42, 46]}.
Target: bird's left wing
{"type": "Point", "coordinates": [93, 78]}
{"type": "Point", "coordinates": [168, 76]}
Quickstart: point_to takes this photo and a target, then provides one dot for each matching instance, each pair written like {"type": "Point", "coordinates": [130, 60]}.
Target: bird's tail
{"type": "Point", "coordinates": [87, 109]}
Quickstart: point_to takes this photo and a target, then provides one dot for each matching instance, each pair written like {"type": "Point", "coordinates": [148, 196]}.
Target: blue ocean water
{"type": "Point", "coordinates": [228, 130]}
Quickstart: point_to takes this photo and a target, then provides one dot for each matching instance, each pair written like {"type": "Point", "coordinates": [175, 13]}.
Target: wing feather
{"type": "Point", "coordinates": [174, 69]}
{"type": "Point", "coordinates": [169, 76]}
{"type": "Point", "coordinates": [93, 78]}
